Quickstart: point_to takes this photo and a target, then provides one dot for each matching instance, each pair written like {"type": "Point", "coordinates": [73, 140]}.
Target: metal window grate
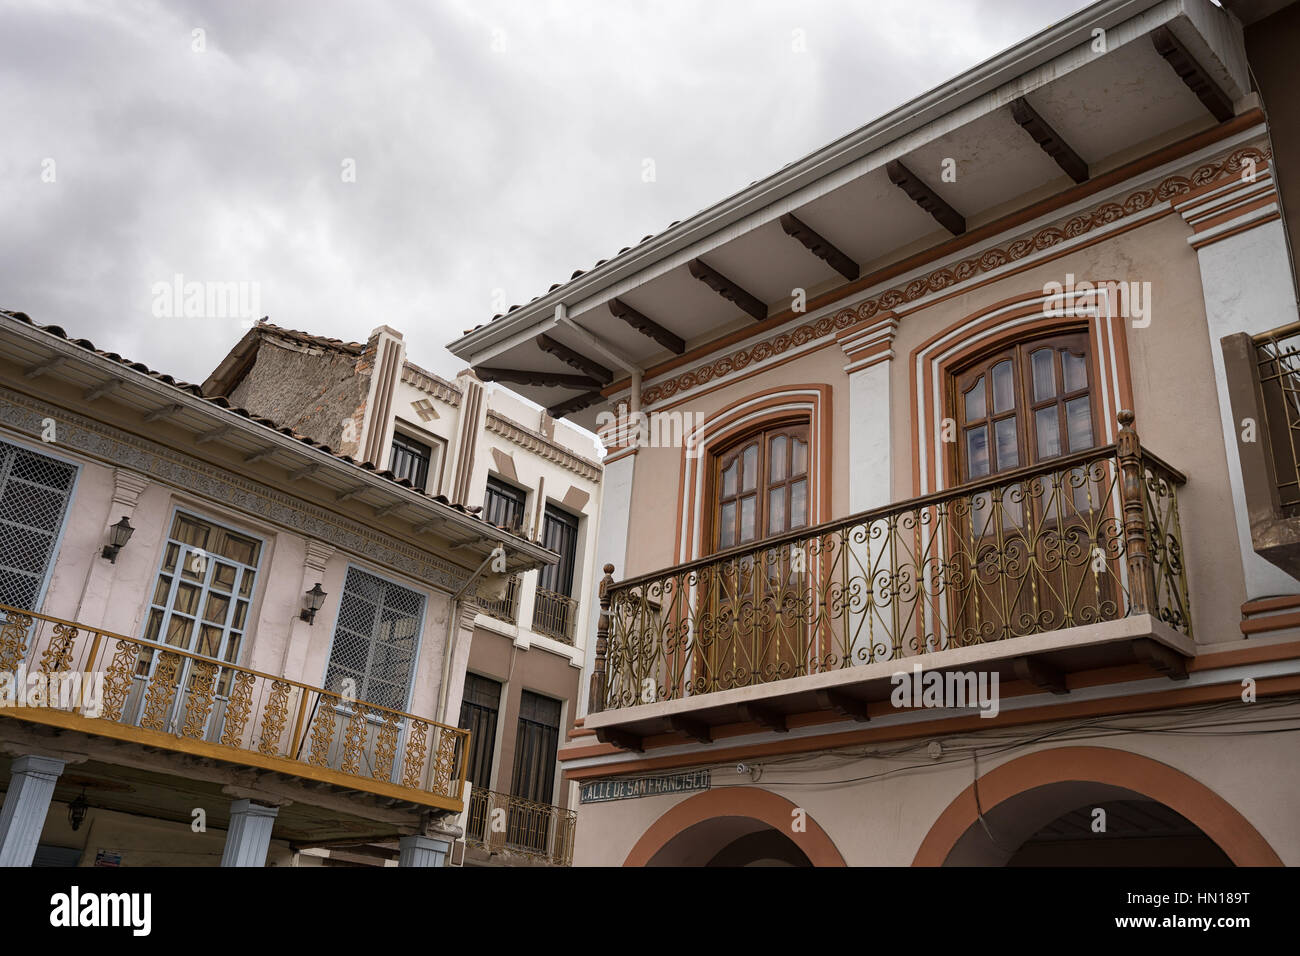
{"type": "Point", "coordinates": [375, 639]}
{"type": "Point", "coordinates": [34, 495]}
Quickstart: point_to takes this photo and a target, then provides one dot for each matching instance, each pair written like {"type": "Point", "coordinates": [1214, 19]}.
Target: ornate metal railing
{"type": "Point", "coordinates": [1085, 538]}
{"type": "Point", "coordinates": [554, 615]}
{"type": "Point", "coordinates": [159, 695]}
{"type": "Point", "coordinates": [507, 608]}
{"type": "Point", "coordinates": [539, 831]}
{"type": "Point", "coordinates": [1277, 354]}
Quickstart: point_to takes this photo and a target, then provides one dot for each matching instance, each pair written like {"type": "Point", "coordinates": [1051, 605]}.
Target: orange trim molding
{"type": "Point", "coordinates": [1217, 818]}
{"type": "Point", "coordinates": [752, 802]}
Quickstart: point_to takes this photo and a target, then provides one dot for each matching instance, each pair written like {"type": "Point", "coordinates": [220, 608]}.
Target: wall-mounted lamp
{"type": "Point", "coordinates": [311, 603]}
{"type": "Point", "coordinates": [77, 810]}
{"type": "Point", "coordinates": [118, 536]}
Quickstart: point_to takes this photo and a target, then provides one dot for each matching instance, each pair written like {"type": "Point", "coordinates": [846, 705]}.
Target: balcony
{"type": "Point", "coordinates": [539, 832]}
{"type": "Point", "coordinates": [507, 608]}
{"type": "Point", "coordinates": [161, 697]}
{"type": "Point", "coordinates": [1037, 573]}
{"type": "Point", "coordinates": [554, 615]}
{"type": "Point", "coordinates": [1263, 376]}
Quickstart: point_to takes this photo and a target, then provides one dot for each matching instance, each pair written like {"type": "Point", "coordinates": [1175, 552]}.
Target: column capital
{"type": "Point", "coordinates": [38, 765]}
{"type": "Point", "coordinates": [317, 556]}
{"type": "Point", "coordinates": [1225, 208]}
{"type": "Point", "coordinates": [868, 343]}
{"type": "Point", "coordinates": [127, 488]}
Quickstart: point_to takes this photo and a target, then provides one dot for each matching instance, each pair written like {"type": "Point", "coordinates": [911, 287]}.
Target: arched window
{"type": "Point", "coordinates": [1027, 403]}
{"type": "Point", "coordinates": [760, 486]}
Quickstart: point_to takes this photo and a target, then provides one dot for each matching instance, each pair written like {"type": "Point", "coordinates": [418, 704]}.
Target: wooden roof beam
{"type": "Point", "coordinates": [925, 197]}
{"type": "Point", "coordinates": [575, 404]}
{"type": "Point", "coordinates": [1049, 140]}
{"type": "Point", "coordinates": [575, 359]}
{"type": "Point", "coordinates": [1192, 73]}
{"type": "Point", "coordinates": [519, 376]}
{"type": "Point", "coordinates": [646, 326]}
{"type": "Point", "coordinates": [819, 246]}
{"type": "Point", "coordinates": [720, 284]}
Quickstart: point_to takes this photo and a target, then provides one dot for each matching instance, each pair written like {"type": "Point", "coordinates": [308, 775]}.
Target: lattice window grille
{"type": "Point", "coordinates": [375, 639]}
{"type": "Point", "coordinates": [34, 494]}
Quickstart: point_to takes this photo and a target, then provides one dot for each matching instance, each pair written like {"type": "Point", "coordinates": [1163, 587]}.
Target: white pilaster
{"type": "Point", "coordinates": [31, 786]}
{"type": "Point", "coordinates": [870, 354]}
{"type": "Point", "coordinates": [249, 835]}
{"type": "Point", "coordinates": [95, 596]}
{"type": "Point", "coordinates": [1247, 284]}
{"type": "Point", "coordinates": [422, 851]}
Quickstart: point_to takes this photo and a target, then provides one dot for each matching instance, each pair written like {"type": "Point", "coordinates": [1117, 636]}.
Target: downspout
{"type": "Point", "coordinates": [453, 615]}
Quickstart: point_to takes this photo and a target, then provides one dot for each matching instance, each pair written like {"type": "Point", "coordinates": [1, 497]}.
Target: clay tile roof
{"type": "Point", "coordinates": [222, 403]}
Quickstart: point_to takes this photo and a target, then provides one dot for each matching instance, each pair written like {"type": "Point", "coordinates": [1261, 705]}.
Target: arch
{"type": "Point", "coordinates": [1215, 817]}
{"type": "Point", "coordinates": [752, 802]}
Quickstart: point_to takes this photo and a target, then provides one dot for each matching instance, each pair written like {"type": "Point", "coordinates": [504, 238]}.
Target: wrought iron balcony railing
{"type": "Point", "coordinates": [539, 831]}
{"type": "Point", "coordinates": [164, 697]}
{"type": "Point", "coordinates": [1086, 538]}
{"type": "Point", "coordinates": [1277, 354]}
{"type": "Point", "coordinates": [554, 615]}
{"type": "Point", "coordinates": [507, 608]}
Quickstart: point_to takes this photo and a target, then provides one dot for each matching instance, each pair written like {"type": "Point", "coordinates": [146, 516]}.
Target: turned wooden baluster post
{"type": "Point", "coordinates": [1141, 573]}
{"type": "Point", "coordinates": [597, 701]}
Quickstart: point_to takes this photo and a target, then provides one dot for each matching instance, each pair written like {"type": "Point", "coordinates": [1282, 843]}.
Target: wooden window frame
{"type": "Point", "coordinates": [800, 427]}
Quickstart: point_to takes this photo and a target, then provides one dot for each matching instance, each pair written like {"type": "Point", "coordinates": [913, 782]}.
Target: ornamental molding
{"type": "Point", "coordinates": [1101, 215]}
{"type": "Point", "coordinates": [114, 448]}
{"type": "Point", "coordinates": [430, 384]}
{"type": "Point", "coordinates": [538, 444]}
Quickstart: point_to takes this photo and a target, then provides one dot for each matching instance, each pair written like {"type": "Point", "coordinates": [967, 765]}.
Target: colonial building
{"type": "Point", "coordinates": [485, 449]}
{"type": "Point", "coordinates": [949, 516]}
{"type": "Point", "coordinates": [223, 640]}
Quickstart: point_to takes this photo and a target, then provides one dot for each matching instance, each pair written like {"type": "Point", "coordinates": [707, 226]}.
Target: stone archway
{"type": "Point", "coordinates": [1041, 786]}
{"type": "Point", "coordinates": [731, 825]}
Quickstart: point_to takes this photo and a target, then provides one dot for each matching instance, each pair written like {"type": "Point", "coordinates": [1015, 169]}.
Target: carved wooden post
{"type": "Point", "coordinates": [596, 703]}
{"type": "Point", "coordinates": [1141, 574]}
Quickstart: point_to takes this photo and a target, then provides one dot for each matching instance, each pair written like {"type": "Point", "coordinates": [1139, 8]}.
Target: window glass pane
{"type": "Point", "coordinates": [209, 640]}
{"type": "Point", "coordinates": [776, 511]}
{"type": "Point", "coordinates": [798, 503]}
{"type": "Point", "coordinates": [178, 631]}
{"type": "Point", "coordinates": [218, 605]}
{"type": "Point", "coordinates": [1078, 422]}
{"type": "Point", "coordinates": [798, 457]}
{"type": "Point", "coordinates": [729, 479]}
{"type": "Point", "coordinates": [224, 577]}
{"type": "Point", "coordinates": [189, 530]}
{"type": "Point", "coordinates": [1004, 388]}
{"type": "Point", "coordinates": [154, 626]}
{"type": "Point", "coordinates": [241, 615]}
{"type": "Point", "coordinates": [238, 548]}
{"type": "Point", "coordinates": [169, 561]}
{"type": "Point", "coordinates": [975, 407]}
{"type": "Point", "coordinates": [977, 452]}
{"type": "Point", "coordinates": [776, 458]}
{"type": "Point", "coordinates": [187, 598]}
{"type": "Point", "coordinates": [727, 525]}
{"type": "Point", "coordinates": [1076, 371]}
{"type": "Point", "coordinates": [751, 468]}
{"type": "Point", "coordinates": [748, 517]}
{"type": "Point", "coordinates": [232, 648]}
{"type": "Point", "coordinates": [246, 584]}
{"type": "Point", "coordinates": [1004, 432]}
{"type": "Point", "coordinates": [162, 589]}
{"type": "Point", "coordinates": [1049, 432]}
{"type": "Point", "coordinates": [1044, 375]}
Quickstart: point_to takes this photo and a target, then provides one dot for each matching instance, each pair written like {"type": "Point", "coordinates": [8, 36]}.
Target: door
{"type": "Point", "coordinates": [555, 609]}
{"type": "Point", "coordinates": [478, 714]}
{"type": "Point", "coordinates": [537, 739]}
{"type": "Point", "coordinates": [756, 629]}
{"type": "Point", "coordinates": [1024, 551]}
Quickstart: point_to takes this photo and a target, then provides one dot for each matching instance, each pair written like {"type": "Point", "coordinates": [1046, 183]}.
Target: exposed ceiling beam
{"type": "Point", "coordinates": [205, 437]}
{"type": "Point", "coordinates": [575, 404]}
{"type": "Point", "coordinates": [160, 413]}
{"type": "Point", "coordinates": [35, 371]}
{"type": "Point", "coordinates": [386, 510]}
{"type": "Point", "coordinates": [843, 705]}
{"type": "Point", "coordinates": [695, 729]}
{"type": "Point", "coordinates": [574, 359]}
{"type": "Point", "coordinates": [720, 284]}
{"type": "Point", "coordinates": [646, 326]}
{"type": "Point", "coordinates": [262, 455]}
{"type": "Point", "coordinates": [519, 376]}
{"type": "Point", "coordinates": [304, 471]}
{"type": "Point", "coordinates": [351, 493]}
{"type": "Point", "coordinates": [1192, 73]}
{"type": "Point", "coordinates": [763, 716]}
{"type": "Point", "coordinates": [1038, 672]}
{"type": "Point", "coordinates": [925, 197]}
{"type": "Point", "coordinates": [1051, 142]}
{"type": "Point", "coordinates": [819, 246]}
{"type": "Point", "coordinates": [102, 389]}
{"type": "Point", "coordinates": [602, 348]}
{"type": "Point", "coordinates": [623, 739]}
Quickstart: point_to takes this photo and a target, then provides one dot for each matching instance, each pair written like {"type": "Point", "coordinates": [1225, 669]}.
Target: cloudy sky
{"type": "Point", "coordinates": [418, 165]}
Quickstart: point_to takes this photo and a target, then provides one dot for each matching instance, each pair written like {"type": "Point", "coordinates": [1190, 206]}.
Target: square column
{"type": "Point", "coordinates": [31, 786]}
{"type": "Point", "coordinates": [422, 851]}
{"type": "Point", "coordinates": [249, 835]}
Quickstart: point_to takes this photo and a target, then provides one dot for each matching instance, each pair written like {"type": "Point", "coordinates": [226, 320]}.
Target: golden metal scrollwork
{"type": "Point", "coordinates": [355, 739]}
{"type": "Point", "coordinates": [444, 764]}
{"type": "Point", "coordinates": [322, 734]}
{"type": "Point", "coordinates": [237, 709]}
{"type": "Point", "coordinates": [58, 654]}
{"type": "Point", "coordinates": [386, 747]}
{"type": "Point", "coordinates": [118, 679]}
{"type": "Point", "coordinates": [200, 698]}
{"type": "Point", "coordinates": [162, 688]}
{"type": "Point", "coordinates": [13, 640]}
{"type": "Point", "coordinates": [274, 714]}
{"type": "Point", "coordinates": [413, 759]}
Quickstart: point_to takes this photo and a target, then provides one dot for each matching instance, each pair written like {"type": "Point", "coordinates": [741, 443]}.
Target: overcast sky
{"type": "Point", "coordinates": [494, 147]}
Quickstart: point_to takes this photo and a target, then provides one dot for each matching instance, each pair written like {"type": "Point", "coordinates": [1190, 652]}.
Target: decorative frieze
{"type": "Point", "coordinates": [538, 444]}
